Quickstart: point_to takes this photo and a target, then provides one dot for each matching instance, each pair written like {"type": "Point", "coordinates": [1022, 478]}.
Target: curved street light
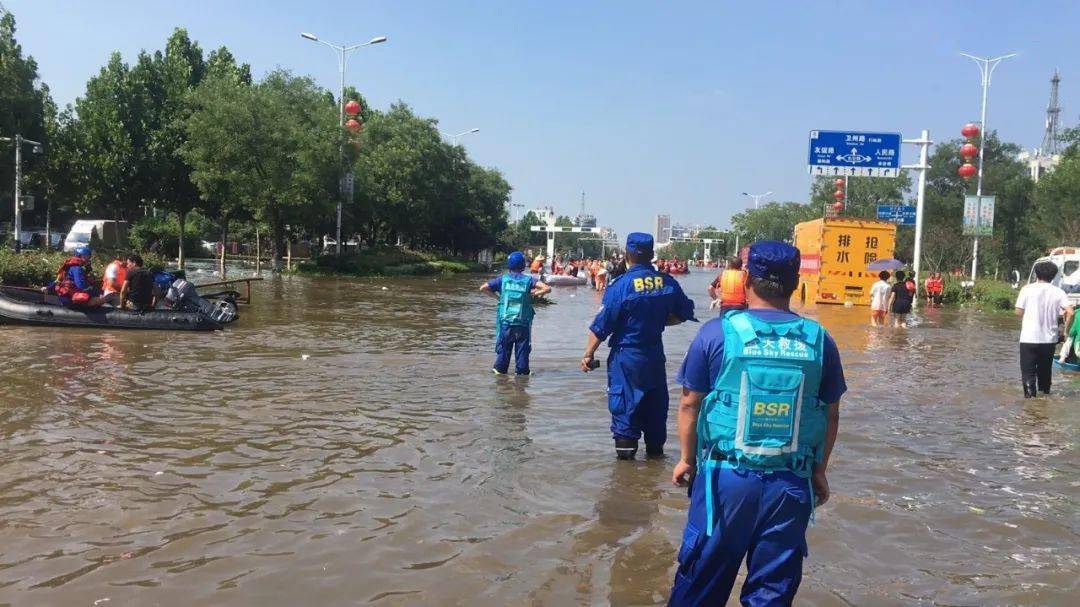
{"type": "Point", "coordinates": [342, 52]}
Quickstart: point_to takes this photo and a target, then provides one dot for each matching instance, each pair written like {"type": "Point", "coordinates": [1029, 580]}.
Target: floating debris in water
{"type": "Point", "coordinates": [305, 356]}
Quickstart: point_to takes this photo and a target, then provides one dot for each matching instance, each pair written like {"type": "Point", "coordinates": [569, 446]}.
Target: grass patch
{"type": "Point", "coordinates": [987, 294]}
{"type": "Point", "coordinates": [387, 262]}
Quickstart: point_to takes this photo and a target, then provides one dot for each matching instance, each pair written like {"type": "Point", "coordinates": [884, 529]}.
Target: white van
{"type": "Point", "coordinates": [100, 232]}
{"type": "Point", "coordinates": [1067, 260]}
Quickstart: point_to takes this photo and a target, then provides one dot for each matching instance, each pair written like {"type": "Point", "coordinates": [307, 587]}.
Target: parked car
{"type": "Point", "coordinates": [98, 232]}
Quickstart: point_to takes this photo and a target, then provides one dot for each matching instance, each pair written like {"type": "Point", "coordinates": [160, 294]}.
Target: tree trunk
{"type": "Point", "coordinates": [288, 254]}
{"type": "Point", "coordinates": [224, 243]}
{"type": "Point", "coordinates": [277, 239]}
{"type": "Point", "coordinates": [258, 250]}
{"type": "Point", "coordinates": [180, 243]}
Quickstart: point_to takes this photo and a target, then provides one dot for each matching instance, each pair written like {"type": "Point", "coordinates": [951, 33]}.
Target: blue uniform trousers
{"type": "Point", "coordinates": [638, 395]}
{"type": "Point", "coordinates": [759, 516]}
{"type": "Point", "coordinates": [516, 339]}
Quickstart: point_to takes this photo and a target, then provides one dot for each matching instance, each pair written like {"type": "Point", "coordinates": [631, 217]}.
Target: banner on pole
{"type": "Point", "coordinates": [979, 215]}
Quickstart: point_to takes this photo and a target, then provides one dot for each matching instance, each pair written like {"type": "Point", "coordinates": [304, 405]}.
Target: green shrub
{"type": "Point", "coordinates": [37, 268]}
{"type": "Point", "coordinates": [159, 235]}
{"type": "Point", "coordinates": [386, 262]}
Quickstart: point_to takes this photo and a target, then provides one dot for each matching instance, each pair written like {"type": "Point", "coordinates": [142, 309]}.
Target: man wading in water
{"type": "Point", "coordinates": [513, 327]}
{"type": "Point", "coordinates": [757, 421]}
{"type": "Point", "coordinates": [635, 309]}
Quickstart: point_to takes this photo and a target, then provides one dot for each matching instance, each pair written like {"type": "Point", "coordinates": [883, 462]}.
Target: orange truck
{"type": "Point", "coordinates": [835, 253]}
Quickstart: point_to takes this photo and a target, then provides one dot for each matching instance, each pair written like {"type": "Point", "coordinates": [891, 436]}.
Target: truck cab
{"type": "Point", "coordinates": [1067, 260]}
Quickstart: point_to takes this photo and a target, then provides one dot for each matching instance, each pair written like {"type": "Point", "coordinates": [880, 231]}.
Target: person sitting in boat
{"type": "Point", "coordinates": [74, 283]}
{"type": "Point", "coordinates": [138, 289]}
{"type": "Point", "coordinates": [115, 275]}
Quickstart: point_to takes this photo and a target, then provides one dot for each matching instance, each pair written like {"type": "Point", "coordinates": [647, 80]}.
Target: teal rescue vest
{"type": "Point", "coordinates": [515, 301]}
{"type": "Point", "coordinates": [764, 412]}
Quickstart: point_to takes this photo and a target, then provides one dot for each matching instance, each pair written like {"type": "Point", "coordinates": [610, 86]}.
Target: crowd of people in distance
{"type": "Point", "coordinates": [897, 297]}
{"type": "Point", "coordinates": [672, 266]}
{"type": "Point", "coordinates": [597, 272]}
{"type": "Point", "coordinates": [126, 284]}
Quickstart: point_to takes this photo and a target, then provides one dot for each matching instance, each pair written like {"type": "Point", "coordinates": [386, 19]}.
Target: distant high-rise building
{"type": "Point", "coordinates": [585, 221]}
{"type": "Point", "coordinates": [662, 230]}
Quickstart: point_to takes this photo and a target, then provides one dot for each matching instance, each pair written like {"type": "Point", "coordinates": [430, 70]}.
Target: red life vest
{"type": "Point", "coordinates": [65, 286]}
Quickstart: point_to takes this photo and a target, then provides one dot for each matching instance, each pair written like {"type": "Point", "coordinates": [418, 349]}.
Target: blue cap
{"type": "Point", "coordinates": [774, 261]}
{"type": "Point", "coordinates": [515, 261]}
{"type": "Point", "coordinates": [82, 251]}
{"type": "Point", "coordinates": [639, 243]}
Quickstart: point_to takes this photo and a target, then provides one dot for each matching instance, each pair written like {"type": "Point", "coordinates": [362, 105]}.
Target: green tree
{"type": "Point", "coordinates": [179, 70]}
{"type": "Point", "coordinates": [773, 220]}
{"type": "Point", "coordinates": [23, 104]}
{"type": "Point", "coordinates": [944, 245]}
{"type": "Point", "coordinates": [113, 139]}
{"type": "Point", "coordinates": [863, 193]}
{"type": "Point", "coordinates": [1057, 202]}
{"type": "Point", "coordinates": [272, 145]}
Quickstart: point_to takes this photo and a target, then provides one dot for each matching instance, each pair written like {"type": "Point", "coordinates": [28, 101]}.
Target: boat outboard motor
{"type": "Point", "coordinates": [183, 296]}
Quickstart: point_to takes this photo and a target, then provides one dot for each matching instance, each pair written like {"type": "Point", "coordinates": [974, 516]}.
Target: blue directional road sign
{"type": "Point", "coordinates": [897, 213]}
{"type": "Point", "coordinates": [854, 154]}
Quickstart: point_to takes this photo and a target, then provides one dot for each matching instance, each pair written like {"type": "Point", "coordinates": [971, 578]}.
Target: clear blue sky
{"type": "Point", "coordinates": [646, 106]}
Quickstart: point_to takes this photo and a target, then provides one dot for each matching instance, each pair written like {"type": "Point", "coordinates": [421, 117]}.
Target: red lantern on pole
{"type": "Point", "coordinates": [353, 125]}
{"type": "Point", "coordinates": [352, 108]}
{"type": "Point", "coordinates": [967, 170]}
{"type": "Point", "coordinates": [839, 183]}
{"type": "Point", "coordinates": [970, 130]}
{"type": "Point", "coordinates": [838, 195]}
{"type": "Point", "coordinates": [838, 206]}
{"type": "Point", "coordinates": [969, 151]}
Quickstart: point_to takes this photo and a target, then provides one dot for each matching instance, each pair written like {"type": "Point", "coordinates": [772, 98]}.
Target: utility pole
{"type": "Point", "coordinates": [987, 65]}
{"type": "Point", "coordinates": [19, 140]}
{"type": "Point", "coordinates": [924, 144]}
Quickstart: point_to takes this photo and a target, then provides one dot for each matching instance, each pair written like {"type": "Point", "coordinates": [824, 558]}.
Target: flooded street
{"type": "Point", "coordinates": [390, 467]}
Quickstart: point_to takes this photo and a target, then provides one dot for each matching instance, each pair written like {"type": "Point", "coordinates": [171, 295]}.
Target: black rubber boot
{"type": "Point", "coordinates": [654, 450]}
{"type": "Point", "coordinates": [625, 448]}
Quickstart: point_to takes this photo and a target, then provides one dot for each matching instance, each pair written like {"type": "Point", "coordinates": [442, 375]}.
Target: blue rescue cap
{"type": "Point", "coordinates": [82, 251]}
{"type": "Point", "coordinates": [774, 261]}
{"type": "Point", "coordinates": [639, 243]}
{"type": "Point", "coordinates": [515, 261]}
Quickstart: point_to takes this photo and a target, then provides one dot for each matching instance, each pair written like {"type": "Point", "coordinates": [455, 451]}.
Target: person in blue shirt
{"type": "Point", "coordinates": [74, 284]}
{"type": "Point", "coordinates": [513, 325]}
{"type": "Point", "coordinates": [757, 421]}
{"type": "Point", "coordinates": [636, 308]}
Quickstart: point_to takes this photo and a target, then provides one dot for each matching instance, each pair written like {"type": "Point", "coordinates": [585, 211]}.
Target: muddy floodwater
{"type": "Point", "coordinates": [346, 443]}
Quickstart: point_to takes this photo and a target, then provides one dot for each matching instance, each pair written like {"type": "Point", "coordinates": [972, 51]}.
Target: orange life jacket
{"type": "Point", "coordinates": [732, 287]}
{"type": "Point", "coordinates": [114, 286]}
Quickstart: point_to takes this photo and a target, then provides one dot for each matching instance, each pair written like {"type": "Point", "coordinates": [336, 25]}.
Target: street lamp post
{"type": "Point", "coordinates": [459, 135]}
{"type": "Point", "coordinates": [987, 65]}
{"type": "Point", "coordinates": [343, 53]}
{"type": "Point", "coordinates": [19, 140]}
{"type": "Point", "coordinates": [756, 197]}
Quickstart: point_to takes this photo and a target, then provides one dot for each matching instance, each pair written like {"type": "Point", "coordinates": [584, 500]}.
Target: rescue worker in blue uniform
{"type": "Point", "coordinates": [757, 421]}
{"type": "Point", "coordinates": [513, 324]}
{"type": "Point", "coordinates": [636, 307]}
